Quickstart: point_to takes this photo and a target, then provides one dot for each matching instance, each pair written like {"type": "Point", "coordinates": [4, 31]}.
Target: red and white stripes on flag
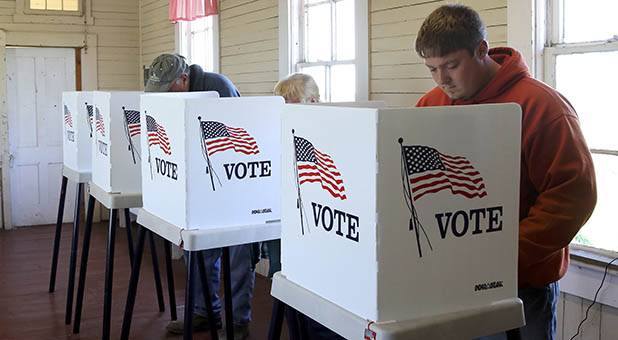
{"type": "Point", "coordinates": [157, 135]}
{"type": "Point", "coordinates": [132, 121]}
{"type": "Point", "coordinates": [220, 137]}
{"type": "Point", "coordinates": [100, 126]}
{"type": "Point", "coordinates": [68, 120]}
{"type": "Point", "coordinates": [431, 171]}
{"type": "Point", "coordinates": [318, 167]}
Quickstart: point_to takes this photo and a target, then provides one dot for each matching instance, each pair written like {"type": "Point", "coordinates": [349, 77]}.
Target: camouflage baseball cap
{"type": "Point", "coordinates": [164, 70]}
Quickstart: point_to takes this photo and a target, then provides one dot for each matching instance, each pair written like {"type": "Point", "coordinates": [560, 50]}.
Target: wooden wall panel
{"type": "Point", "coordinates": [249, 44]}
{"type": "Point", "coordinates": [157, 35]}
{"type": "Point", "coordinates": [397, 73]}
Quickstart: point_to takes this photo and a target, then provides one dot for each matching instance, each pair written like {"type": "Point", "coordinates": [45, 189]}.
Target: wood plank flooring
{"type": "Point", "coordinates": [29, 311]}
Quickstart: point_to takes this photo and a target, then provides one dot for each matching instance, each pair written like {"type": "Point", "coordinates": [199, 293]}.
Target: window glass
{"type": "Point", "coordinates": [600, 231]}
{"type": "Point", "coordinates": [55, 5]}
{"type": "Point", "coordinates": [343, 78]}
{"type": "Point", "coordinates": [37, 4]}
{"type": "Point", "coordinates": [197, 42]}
{"type": "Point", "coordinates": [70, 5]}
{"type": "Point", "coordinates": [589, 20]}
{"type": "Point", "coordinates": [318, 33]}
{"type": "Point", "coordinates": [345, 41]}
{"type": "Point", "coordinates": [591, 93]}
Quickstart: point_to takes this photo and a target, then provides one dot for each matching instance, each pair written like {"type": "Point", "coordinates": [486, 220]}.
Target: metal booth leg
{"type": "Point", "coordinates": [276, 320]}
{"type": "Point", "coordinates": [155, 270]}
{"type": "Point", "coordinates": [72, 265]}
{"type": "Point", "coordinates": [63, 196]}
{"type": "Point", "coordinates": [109, 273]}
{"type": "Point", "coordinates": [513, 334]}
{"type": "Point", "coordinates": [81, 283]}
{"type": "Point", "coordinates": [128, 310]}
{"type": "Point", "coordinates": [206, 292]}
{"type": "Point", "coordinates": [170, 278]}
{"type": "Point", "coordinates": [127, 220]}
{"type": "Point", "coordinates": [227, 293]}
{"type": "Point", "coordinates": [188, 325]}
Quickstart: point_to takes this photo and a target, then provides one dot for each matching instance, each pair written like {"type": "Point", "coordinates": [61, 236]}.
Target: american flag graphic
{"type": "Point", "coordinates": [132, 119]}
{"type": "Point", "coordinates": [219, 137]}
{"type": "Point", "coordinates": [431, 171]}
{"type": "Point", "coordinates": [68, 120]}
{"type": "Point", "coordinates": [157, 135]}
{"type": "Point", "coordinates": [316, 166]}
{"type": "Point", "coordinates": [100, 126]}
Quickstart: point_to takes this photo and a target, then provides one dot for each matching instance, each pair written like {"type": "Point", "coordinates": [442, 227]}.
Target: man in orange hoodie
{"type": "Point", "coordinates": [557, 185]}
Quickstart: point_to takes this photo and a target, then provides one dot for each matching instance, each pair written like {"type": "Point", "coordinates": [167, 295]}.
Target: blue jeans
{"type": "Point", "coordinates": [540, 310]}
{"type": "Point", "coordinates": [242, 275]}
{"type": "Point", "coordinates": [274, 256]}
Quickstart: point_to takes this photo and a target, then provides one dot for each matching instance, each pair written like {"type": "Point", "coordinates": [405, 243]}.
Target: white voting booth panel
{"type": "Point", "coordinates": [396, 214]}
{"type": "Point", "coordinates": [375, 104]}
{"type": "Point", "coordinates": [210, 162]}
{"type": "Point", "coordinates": [77, 139]}
{"type": "Point", "coordinates": [116, 142]}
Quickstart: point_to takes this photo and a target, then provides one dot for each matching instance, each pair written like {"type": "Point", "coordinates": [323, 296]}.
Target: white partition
{"type": "Point", "coordinates": [116, 142]}
{"type": "Point", "coordinates": [396, 214]}
{"type": "Point", "coordinates": [210, 162]}
{"type": "Point", "coordinates": [374, 104]}
{"type": "Point", "coordinates": [77, 137]}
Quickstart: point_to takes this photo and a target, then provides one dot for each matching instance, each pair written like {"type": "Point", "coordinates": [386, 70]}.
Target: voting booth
{"type": "Point", "coordinates": [211, 162]}
{"type": "Point", "coordinates": [115, 142]}
{"type": "Point", "coordinates": [77, 136]}
{"type": "Point", "coordinates": [375, 104]}
{"type": "Point", "coordinates": [397, 214]}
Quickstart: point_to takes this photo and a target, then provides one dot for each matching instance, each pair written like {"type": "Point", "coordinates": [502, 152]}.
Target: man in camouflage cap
{"type": "Point", "coordinates": [170, 73]}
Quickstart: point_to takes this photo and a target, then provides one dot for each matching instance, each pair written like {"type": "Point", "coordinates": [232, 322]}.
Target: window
{"type": "Point", "coordinates": [55, 5]}
{"type": "Point", "coordinates": [580, 58]}
{"type": "Point", "coordinates": [198, 42]}
{"type": "Point", "coordinates": [328, 40]}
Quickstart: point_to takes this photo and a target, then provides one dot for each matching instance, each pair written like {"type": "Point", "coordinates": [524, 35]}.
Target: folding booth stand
{"type": "Point", "coordinates": [210, 179]}
{"type": "Point", "coordinates": [115, 184]}
{"type": "Point", "coordinates": [401, 223]}
{"type": "Point", "coordinates": [76, 141]}
{"type": "Point", "coordinates": [503, 315]}
{"type": "Point", "coordinates": [194, 241]}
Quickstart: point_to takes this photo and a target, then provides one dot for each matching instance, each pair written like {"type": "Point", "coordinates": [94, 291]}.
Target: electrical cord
{"type": "Point", "coordinates": [595, 298]}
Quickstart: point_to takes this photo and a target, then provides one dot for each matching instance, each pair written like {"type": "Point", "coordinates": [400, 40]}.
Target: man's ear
{"type": "Point", "coordinates": [185, 81]}
{"type": "Point", "coordinates": [482, 49]}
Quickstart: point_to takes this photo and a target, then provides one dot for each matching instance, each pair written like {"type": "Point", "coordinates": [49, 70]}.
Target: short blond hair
{"type": "Point", "coordinates": [298, 88]}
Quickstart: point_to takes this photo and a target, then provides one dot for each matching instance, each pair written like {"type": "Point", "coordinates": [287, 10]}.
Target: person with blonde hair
{"type": "Point", "coordinates": [298, 88]}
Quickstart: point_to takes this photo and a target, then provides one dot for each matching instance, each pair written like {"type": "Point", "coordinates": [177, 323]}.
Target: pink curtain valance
{"type": "Point", "coordinates": [189, 10]}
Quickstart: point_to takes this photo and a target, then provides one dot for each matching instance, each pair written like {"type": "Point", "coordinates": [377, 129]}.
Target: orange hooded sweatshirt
{"type": "Point", "coordinates": [557, 188]}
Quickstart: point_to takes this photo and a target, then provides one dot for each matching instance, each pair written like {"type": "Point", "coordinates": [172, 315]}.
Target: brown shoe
{"type": "Point", "coordinates": [200, 323]}
{"type": "Point", "coordinates": [241, 332]}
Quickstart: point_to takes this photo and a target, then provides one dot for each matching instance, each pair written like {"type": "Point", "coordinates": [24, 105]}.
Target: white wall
{"type": "Point", "coordinates": [156, 33]}
{"type": "Point", "coordinates": [397, 74]}
{"type": "Point", "coordinates": [602, 322]}
{"type": "Point", "coordinates": [108, 35]}
{"type": "Point", "coordinates": [249, 44]}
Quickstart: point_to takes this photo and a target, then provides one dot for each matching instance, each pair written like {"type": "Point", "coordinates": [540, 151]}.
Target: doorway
{"type": "Point", "coordinates": [36, 78]}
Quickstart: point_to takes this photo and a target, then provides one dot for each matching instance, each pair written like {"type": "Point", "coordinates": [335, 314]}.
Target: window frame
{"type": "Point", "coordinates": [23, 14]}
{"type": "Point", "coordinates": [28, 10]}
{"type": "Point", "coordinates": [554, 47]}
{"type": "Point", "coordinates": [180, 38]}
{"type": "Point", "coordinates": [290, 44]}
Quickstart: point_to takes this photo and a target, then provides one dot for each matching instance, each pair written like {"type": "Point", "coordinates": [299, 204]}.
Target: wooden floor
{"type": "Point", "coordinates": [29, 311]}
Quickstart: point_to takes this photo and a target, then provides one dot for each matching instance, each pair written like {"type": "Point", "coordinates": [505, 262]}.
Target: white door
{"type": "Point", "coordinates": [36, 78]}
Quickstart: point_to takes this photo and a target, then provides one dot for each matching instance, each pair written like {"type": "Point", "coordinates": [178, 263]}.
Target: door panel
{"type": "Point", "coordinates": [36, 78]}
